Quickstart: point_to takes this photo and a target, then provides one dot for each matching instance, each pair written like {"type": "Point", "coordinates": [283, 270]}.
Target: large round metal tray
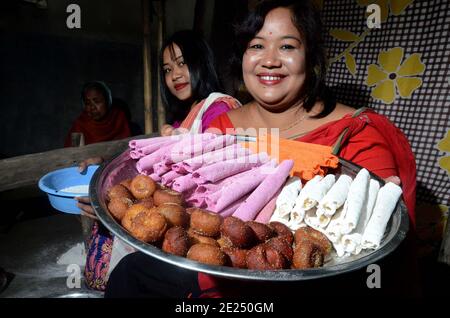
{"type": "Point", "coordinates": [122, 167]}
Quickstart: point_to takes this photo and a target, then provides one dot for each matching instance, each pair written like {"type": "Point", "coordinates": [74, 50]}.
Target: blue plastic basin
{"type": "Point", "coordinates": [53, 182]}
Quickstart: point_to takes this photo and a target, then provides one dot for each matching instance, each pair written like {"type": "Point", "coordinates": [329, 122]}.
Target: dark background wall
{"type": "Point", "coordinates": [44, 64]}
{"type": "Point", "coordinates": [41, 79]}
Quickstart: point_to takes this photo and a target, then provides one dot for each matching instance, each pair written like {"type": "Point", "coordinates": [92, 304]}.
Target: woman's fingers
{"type": "Point", "coordinates": [85, 200]}
{"type": "Point", "coordinates": [82, 166]}
{"type": "Point", "coordinates": [93, 217]}
{"type": "Point", "coordinates": [90, 161]}
{"type": "Point", "coordinates": [86, 208]}
{"type": "Point", "coordinates": [95, 160]}
{"type": "Point", "coordinates": [84, 203]}
{"type": "Point", "coordinates": [394, 179]}
{"type": "Point", "coordinates": [166, 130]}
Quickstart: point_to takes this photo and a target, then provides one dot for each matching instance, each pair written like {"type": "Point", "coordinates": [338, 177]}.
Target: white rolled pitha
{"type": "Point", "coordinates": [298, 211]}
{"type": "Point", "coordinates": [336, 197]}
{"type": "Point", "coordinates": [340, 249]}
{"type": "Point", "coordinates": [385, 204]}
{"type": "Point", "coordinates": [356, 200]}
{"type": "Point", "coordinates": [352, 241]}
{"type": "Point", "coordinates": [315, 220]}
{"type": "Point", "coordinates": [286, 199]}
{"type": "Point", "coordinates": [297, 219]}
{"type": "Point", "coordinates": [281, 219]}
{"type": "Point", "coordinates": [374, 188]}
{"type": "Point", "coordinates": [300, 202]}
{"type": "Point", "coordinates": [317, 192]}
{"type": "Point", "coordinates": [333, 230]}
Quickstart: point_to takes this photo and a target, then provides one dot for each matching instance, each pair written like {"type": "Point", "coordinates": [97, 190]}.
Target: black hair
{"type": "Point", "coordinates": [199, 58]}
{"type": "Point", "coordinates": [306, 18]}
{"type": "Point", "coordinates": [99, 86]}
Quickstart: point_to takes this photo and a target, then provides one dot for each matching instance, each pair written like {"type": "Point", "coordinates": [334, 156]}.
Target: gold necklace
{"type": "Point", "coordinates": [295, 123]}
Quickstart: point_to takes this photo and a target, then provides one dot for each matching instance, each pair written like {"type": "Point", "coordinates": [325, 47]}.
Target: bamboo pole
{"type": "Point", "coordinates": [160, 26]}
{"type": "Point", "coordinates": [148, 118]}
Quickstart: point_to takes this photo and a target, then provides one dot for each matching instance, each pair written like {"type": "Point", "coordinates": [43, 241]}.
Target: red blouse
{"type": "Point", "coordinates": [113, 127]}
{"type": "Point", "coordinates": [371, 141]}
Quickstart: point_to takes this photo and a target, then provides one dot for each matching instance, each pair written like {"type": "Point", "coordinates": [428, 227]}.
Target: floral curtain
{"type": "Point", "coordinates": [401, 70]}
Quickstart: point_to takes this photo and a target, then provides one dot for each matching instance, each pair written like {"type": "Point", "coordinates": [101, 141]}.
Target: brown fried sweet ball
{"type": "Point", "coordinates": [206, 223]}
{"type": "Point", "coordinates": [239, 233]}
{"type": "Point", "coordinates": [265, 257]}
{"type": "Point", "coordinates": [281, 245]}
{"type": "Point", "coordinates": [283, 231]}
{"type": "Point", "coordinates": [262, 231]}
{"type": "Point", "coordinates": [237, 256]}
{"type": "Point", "coordinates": [176, 241]}
{"type": "Point", "coordinates": [144, 224]}
{"type": "Point", "coordinates": [224, 241]}
{"type": "Point", "coordinates": [197, 238]}
{"type": "Point", "coordinates": [174, 213]}
{"type": "Point", "coordinates": [309, 234]}
{"type": "Point", "coordinates": [162, 196]}
{"type": "Point", "coordinates": [190, 210]}
{"type": "Point", "coordinates": [132, 212]}
{"type": "Point", "coordinates": [119, 191]}
{"type": "Point", "coordinates": [142, 186]}
{"type": "Point", "coordinates": [126, 183]}
{"type": "Point", "coordinates": [147, 202]}
{"type": "Point", "coordinates": [207, 254]}
{"type": "Point", "coordinates": [119, 206]}
{"type": "Point", "coordinates": [307, 255]}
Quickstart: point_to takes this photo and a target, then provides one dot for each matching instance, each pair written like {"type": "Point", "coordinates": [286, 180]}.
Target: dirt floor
{"type": "Point", "coordinates": [42, 251]}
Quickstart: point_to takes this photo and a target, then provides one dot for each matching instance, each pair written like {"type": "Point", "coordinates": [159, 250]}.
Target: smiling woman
{"type": "Point", "coordinates": [190, 85]}
{"type": "Point", "coordinates": [274, 63]}
{"type": "Point", "coordinates": [280, 57]}
{"type": "Point", "coordinates": [176, 72]}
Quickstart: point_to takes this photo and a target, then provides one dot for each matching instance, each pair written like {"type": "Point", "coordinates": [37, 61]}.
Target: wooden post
{"type": "Point", "coordinates": [159, 6]}
{"type": "Point", "coordinates": [148, 118]}
{"type": "Point", "coordinates": [444, 253]}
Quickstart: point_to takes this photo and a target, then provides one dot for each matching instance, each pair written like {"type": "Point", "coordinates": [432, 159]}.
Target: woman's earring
{"type": "Point", "coordinates": [242, 88]}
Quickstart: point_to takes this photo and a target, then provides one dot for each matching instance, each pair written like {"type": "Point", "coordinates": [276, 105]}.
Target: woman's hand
{"type": "Point", "coordinates": [84, 203]}
{"type": "Point", "coordinates": [394, 179]}
{"type": "Point", "coordinates": [91, 161]}
{"type": "Point", "coordinates": [166, 130]}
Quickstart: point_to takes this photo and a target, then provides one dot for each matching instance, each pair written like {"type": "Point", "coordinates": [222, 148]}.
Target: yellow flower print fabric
{"type": "Point", "coordinates": [444, 145]}
{"type": "Point", "coordinates": [392, 78]}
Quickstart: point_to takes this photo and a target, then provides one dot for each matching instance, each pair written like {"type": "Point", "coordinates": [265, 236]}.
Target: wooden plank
{"type": "Point", "coordinates": [26, 170]}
